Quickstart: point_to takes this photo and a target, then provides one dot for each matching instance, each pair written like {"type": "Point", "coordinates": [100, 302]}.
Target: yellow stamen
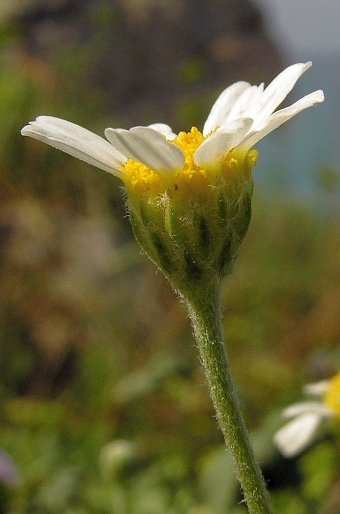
{"type": "Point", "coordinates": [144, 180]}
{"type": "Point", "coordinates": [141, 180]}
{"type": "Point", "coordinates": [189, 142]}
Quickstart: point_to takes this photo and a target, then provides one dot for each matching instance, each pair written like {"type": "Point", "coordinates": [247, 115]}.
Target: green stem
{"type": "Point", "coordinates": [205, 313]}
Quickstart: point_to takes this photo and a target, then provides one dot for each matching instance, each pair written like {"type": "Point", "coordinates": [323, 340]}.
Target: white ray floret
{"type": "Point", "coordinates": [164, 129]}
{"type": "Point", "coordinates": [241, 116]}
{"type": "Point", "coordinates": [148, 146]}
{"type": "Point", "coordinates": [275, 120]}
{"type": "Point", "coordinates": [76, 141]}
{"type": "Point", "coordinates": [220, 113]}
{"type": "Point", "coordinates": [278, 89]}
{"type": "Point", "coordinates": [214, 149]}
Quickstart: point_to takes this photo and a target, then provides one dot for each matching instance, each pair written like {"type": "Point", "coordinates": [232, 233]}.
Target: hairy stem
{"type": "Point", "coordinates": [205, 313]}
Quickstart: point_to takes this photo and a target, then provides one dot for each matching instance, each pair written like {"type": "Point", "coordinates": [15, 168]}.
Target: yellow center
{"type": "Point", "coordinates": [332, 395]}
{"type": "Point", "coordinates": [142, 180]}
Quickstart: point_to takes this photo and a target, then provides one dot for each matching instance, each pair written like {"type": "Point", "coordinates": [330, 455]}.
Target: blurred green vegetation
{"type": "Point", "coordinates": [104, 408]}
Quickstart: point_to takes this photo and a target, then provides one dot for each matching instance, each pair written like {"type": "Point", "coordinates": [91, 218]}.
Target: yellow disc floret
{"type": "Point", "coordinates": [189, 142]}
{"type": "Point", "coordinates": [191, 179]}
{"type": "Point", "coordinates": [140, 179]}
{"type": "Point", "coordinates": [332, 395]}
{"type": "Point", "coordinates": [144, 180]}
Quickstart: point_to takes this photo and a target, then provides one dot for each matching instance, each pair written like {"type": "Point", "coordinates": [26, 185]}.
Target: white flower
{"type": "Point", "coordinates": [241, 116]}
{"type": "Point", "coordinates": [298, 434]}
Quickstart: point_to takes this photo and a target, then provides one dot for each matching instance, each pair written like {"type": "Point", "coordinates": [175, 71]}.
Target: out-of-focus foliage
{"type": "Point", "coordinates": [104, 407]}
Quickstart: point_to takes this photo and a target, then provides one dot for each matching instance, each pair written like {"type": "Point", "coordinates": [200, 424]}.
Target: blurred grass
{"type": "Point", "coordinates": [104, 407]}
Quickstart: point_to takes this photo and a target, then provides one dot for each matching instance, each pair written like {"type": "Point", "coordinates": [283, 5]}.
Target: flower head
{"type": "Point", "coordinates": [241, 116]}
{"type": "Point", "coordinates": [189, 195]}
{"type": "Point", "coordinates": [307, 417]}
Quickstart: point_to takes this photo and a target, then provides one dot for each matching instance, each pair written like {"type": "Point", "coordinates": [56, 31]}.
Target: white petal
{"type": "Point", "coordinates": [76, 141]}
{"type": "Point", "coordinates": [296, 435]}
{"type": "Point", "coordinates": [307, 407]}
{"type": "Point", "coordinates": [148, 146]}
{"type": "Point", "coordinates": [223, 105]}
{"type": "Point", "coordinates": [317, 388]}
{"type": "Point", "coordinates": [280, 117]}
{"type": "Point", "coordinates": [279, 88]}
{"type": "Point", "coordinates": [213, 150]}
{"type": "Point", "coordinates": [246, 104]}
{"type": "Point", "coordinates": [164, 129]}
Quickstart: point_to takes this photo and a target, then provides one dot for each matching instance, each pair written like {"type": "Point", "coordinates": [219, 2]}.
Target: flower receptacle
{"type": "Point", "coordinates": [194, 228]}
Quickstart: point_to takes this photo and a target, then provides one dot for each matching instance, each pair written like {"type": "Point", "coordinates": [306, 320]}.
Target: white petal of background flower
{"type": "Point", "coordinates": [317, 388]}
{"type": "Point", "coordinates": [296, 435]}
{"type": "Point", "coordinates": [214, 149]}
{"type": "Point", "coordinates": [148, 146]}
{"type": "Point", "coordinates": [307, 407]}
{"type": "Point", "coordinates": [76, 141]}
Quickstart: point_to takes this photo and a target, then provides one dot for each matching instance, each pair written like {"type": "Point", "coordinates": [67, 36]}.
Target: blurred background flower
{"type": "Point", "coordinates": [306, 417]}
